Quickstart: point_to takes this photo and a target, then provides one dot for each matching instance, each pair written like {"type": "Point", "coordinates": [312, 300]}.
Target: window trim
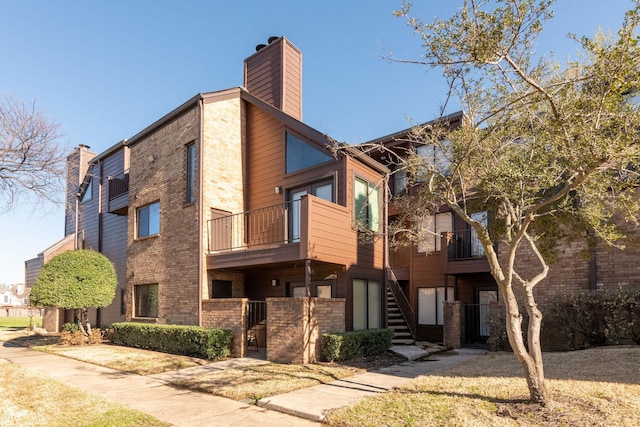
{"type": "Point", "coordinates": [136, 294]}
{"type": "Point", "coordinates": [190, 176]}
{"type": "Point", "coordinates": [370, 219]}
{"type": "Point", "coordinates": [139, 211]}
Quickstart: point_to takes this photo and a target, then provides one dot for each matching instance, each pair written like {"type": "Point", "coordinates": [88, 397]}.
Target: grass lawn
{"type": "Point", "coordinates": [19, 322]}
{"type": "Point", "coordinates": [595, 387]}
{"type": "Point", "coordinates": [30, 399]}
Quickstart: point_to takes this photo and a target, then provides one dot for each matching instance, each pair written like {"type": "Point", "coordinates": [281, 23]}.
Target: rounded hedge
{"type": "Point", "coordinates": [74, 280]}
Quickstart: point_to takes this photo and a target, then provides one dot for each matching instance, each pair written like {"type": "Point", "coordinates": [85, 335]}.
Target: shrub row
{"type": "Point", "coordinates": [349, 345]}
{"type": "Point", "coordinates": [589, 319]}
{"type": "Point", "coordinates": [186, 340]}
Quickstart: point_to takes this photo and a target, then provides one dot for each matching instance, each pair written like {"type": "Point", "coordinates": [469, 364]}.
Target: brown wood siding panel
{"type": "Point", "coordinates": [264, 79]}
{"type": "Point", "coordinates": [265, 159]}
{"type": "Point", "coordinates": [293, 82]}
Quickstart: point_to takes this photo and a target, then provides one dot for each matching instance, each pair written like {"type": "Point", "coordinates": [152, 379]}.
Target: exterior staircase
{"type": "Point", "coordinates": [397, 323]}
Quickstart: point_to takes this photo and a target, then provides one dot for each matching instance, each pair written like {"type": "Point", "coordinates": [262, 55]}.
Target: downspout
{"type": "Point", "coordinates": [100, 229]}
{"type": "Point", "coordinates": [385, 242]}
{"type": "Point", "coordinates": [200, 208]}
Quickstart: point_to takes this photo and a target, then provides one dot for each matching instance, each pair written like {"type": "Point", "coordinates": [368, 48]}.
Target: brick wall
{"type": "Point", "coordinates": [294, 327]}
{"type": "Point", "coordinates": [228, 313]}
{"type": "Point", "coordinates": [169, 259]}
{"type": "Point", "coordinates": [452, 330]}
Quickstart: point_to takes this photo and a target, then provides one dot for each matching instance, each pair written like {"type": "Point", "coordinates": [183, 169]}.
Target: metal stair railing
{"type": "Point", "coordinates": [406, 310]}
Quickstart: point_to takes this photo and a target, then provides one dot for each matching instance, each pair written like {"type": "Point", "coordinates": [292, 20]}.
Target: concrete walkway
{"type": "Point", "coordinates": [155, 396]}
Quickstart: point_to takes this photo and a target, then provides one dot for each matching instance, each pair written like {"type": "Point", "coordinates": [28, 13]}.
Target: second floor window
{"type": "Point", "coordinates": [191, 174]}
{"type": "Point", "coordinates": [367, 204]}
{"type": "Point", "coordinates": [149, 220]}
{"type": "Point", "coordinates": [432, 228]}
{"type": "Point", "coordinates": [300, 155]}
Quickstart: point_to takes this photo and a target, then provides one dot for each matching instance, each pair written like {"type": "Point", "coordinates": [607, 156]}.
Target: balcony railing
{"type": "Point", "coordinates": [465, 245]}
{"type": "Point", "coordinates": [118, 186]}
{"type": "Point", "coordinates": [279, 224]}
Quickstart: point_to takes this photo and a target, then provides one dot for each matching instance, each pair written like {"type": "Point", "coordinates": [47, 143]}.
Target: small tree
{"type": "Point", "coordinates": [550, 150]}
{"type": "Point", "coordinates": [31, 162]}
{"type": "Point", "coordinates": [76, 280]}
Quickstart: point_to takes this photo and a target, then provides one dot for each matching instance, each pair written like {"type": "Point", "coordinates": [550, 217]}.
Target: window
{"type": "Point", "coordinates": [123, 306]}
{"type": "Point", "coordinates": [367, 303]}
{"type": "Point", "coordinates": [300, 155]}
{"type": "Point", "coordinates": [399, 181]}
{"type": "Point", "coordinates": [191, 173]}
{"type": "Point", "coordinates": [88, 189]}
{"type": "Point", "coordinates": [477, 250]}
{"type": "Point", "coordinates": [149, 220]}
{"type": "Point", "coordinates": [146, 298]}
{"type": "Point", "coordinates": [434, 156]}
{"type": "Point", "coordinates": [366, 205]}
{"type": "Point", "coordinates": [430, 309]}
{"type": "Point", "coordinates": [432, 228]}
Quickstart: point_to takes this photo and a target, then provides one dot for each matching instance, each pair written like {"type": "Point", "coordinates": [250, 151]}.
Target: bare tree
{"type": "Point", "coordinates": [31, 159]}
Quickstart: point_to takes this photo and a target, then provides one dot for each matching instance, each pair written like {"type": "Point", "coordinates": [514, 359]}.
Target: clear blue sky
{"type": "Point", "coordinates": [107, 69]}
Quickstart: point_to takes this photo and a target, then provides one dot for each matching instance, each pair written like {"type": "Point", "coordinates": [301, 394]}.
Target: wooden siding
{"type": "Point", "coordinates": [274, 74]}
{"type": "Point", "coordinates": [113, 234]}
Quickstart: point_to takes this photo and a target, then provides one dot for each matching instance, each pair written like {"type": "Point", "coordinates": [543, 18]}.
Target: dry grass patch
{"type": "Point", "coordinates": [30, 399]}
{"type": "Point", "coordinates": [596, 387]}
{"type": "Point", "coordinates": [261, 381]}
{"type": "Point", "coordinates": [127, 359]}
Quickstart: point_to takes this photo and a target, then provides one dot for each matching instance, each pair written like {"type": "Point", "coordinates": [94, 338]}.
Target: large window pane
{"type": "Point", "coordinates": [191, 173]}
{"type": "Point", "coordinates": [359, 304]}
{"type": "Point", "coordinates": [374, 304]}
{"type": "Point", "coordinates": [149, 220]}
{"type": "Point", "coordinates": [146, 300]}
{"type": "Point", "coordinates": [301, 155]}
{"type": "Point", "coordinates": [366, 204]}
{"type": "Point", "coordinates": [430, 304]}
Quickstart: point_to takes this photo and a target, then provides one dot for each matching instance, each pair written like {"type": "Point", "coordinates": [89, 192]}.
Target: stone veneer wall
{"type": "Point", "coordinates": [228, 313]}
{"type": "Point", "coordinates": [295, 325]}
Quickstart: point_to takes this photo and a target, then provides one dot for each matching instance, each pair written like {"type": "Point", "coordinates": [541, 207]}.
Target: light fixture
{"type": "Point", "coordinates": [274, 282]}
{"type": "Point", "coordinates": [277, 189]}
{"type": "Point", "coordinates": [151, 158]}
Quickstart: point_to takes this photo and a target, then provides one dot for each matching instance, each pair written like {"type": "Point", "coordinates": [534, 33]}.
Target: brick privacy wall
{"type": "Point", "coordinates": [294, 327]}
{"type": "Point", "coordinates": [452, 330]}
{"type": "Point", "coordinates": [228, 313]}
{"type": "Point", "coordinates": [169, 259]}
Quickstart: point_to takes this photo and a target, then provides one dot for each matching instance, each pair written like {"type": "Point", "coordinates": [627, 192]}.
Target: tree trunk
{"type": "Point", "coordinates": [531, 360]}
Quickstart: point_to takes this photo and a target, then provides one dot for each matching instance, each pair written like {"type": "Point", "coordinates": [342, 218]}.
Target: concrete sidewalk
{"type": "Point", "coordinates": [148, 394]}
{"type": "Point", "coordinates": [312, 403]}
{"type": "Point", "coordinates": [155, 396]}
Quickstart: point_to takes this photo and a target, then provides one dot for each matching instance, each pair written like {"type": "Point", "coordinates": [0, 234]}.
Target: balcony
{"type": "Point", "coordinates": [118, 192]}
{"type": "Point", "coordinates": [465, 253]}
{"type": "Point", "coordinates": [309, 228]}
{"type": "Point", "coordinates": [273, 225]}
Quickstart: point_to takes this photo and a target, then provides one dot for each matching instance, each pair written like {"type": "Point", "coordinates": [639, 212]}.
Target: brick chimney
{"type": "Point", "coordinates": [274, 74]}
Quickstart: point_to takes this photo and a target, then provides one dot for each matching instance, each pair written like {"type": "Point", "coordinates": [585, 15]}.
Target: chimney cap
{"type": "Point", "coordinates": [260, 47]}
{"type": "Point", "coordinates": [272, 39]}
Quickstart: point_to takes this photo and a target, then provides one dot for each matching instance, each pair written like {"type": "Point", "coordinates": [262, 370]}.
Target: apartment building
{"type": "Point", "coordinates": [231, 196]}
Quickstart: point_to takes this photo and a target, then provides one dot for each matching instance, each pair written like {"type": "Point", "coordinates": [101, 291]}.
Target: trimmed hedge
{"type": "Point", "coordinates": [349, 345]}
{"type": "Point", "coordinates": [596, 318]}
{"type": "Point", "coordinates": [186, 340]}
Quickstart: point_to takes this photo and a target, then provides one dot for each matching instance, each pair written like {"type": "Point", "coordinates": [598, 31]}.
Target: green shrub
{"type": "Point", "coordinates": [349, 345]}
{"type": "Point", "coordinates": [70, 327]}
{"type": "Point", "coordinates": [187, 340]}
{"type": "Point", "coordinates": [598, 318]}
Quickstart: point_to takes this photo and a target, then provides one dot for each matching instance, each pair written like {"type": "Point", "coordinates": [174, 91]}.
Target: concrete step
{"type": "Point", "coordinates": [402, 341]}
